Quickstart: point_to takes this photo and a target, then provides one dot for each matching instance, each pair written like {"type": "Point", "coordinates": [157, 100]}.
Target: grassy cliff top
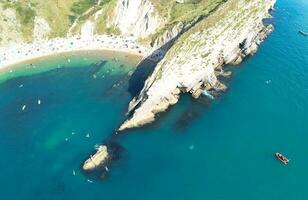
{"type": "Point", "coordinates": [65, 16]}
{"type": "Point", "coordinates": [187, 11]}
{"type": "Point", "coordinates": [60, 14]}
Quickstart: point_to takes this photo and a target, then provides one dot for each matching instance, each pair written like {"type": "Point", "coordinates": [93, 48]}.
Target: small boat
{"type": "Point", "coordinates": [23, 107]}
{"type": "Point", "coordinates": [303, 33]}
{"type": "Point", "coordinates": [282, 158]}
{"type": "Point", "coordinates": [39, 102]}
{"type": "Point", "coordinates": [88, 135]}
{"type": "Point", "coordinates": [74, 173]}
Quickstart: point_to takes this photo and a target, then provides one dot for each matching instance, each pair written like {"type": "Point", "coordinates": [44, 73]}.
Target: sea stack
{"type": "Point", "coordinates": [96, 160]}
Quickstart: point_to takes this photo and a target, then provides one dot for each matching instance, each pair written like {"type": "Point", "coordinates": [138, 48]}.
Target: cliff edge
{"type": "Point", "coordinates": [226, 36]}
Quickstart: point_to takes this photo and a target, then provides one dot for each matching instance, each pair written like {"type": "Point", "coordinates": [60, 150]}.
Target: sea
{"type": "Point", "coordinates": [55, 110]}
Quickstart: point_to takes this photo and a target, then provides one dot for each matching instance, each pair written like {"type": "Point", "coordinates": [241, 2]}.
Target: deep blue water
{"type": "Point", "coordinates": [197, 150]}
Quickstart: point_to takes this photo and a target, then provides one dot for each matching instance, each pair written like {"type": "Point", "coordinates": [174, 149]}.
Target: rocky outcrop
{"type": "Point", "coordinates": [96, 160]}
{"type": "Point", "coordinates": [226, 36]}
{"type": "Point", "coordinates": [136, 17]}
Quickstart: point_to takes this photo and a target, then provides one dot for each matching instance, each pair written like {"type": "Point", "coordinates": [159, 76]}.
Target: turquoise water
{"type": "Point", "coordinates": [198, 150]}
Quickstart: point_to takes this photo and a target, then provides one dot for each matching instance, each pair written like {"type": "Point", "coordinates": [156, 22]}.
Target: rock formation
{"type": "Point", "coordinates": [226, 36]}
{"type": "Point", "coordinates": [96, 160]}
{"type": "Point", "coordinates": [136, 17]}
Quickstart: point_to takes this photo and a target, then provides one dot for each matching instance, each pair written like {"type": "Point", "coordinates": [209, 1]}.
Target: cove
{"type": "Point", "coordinates": [220, 149]}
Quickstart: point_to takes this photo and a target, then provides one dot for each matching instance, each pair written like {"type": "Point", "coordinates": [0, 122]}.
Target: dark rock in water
{"type": "Point", "coordinates": [187, 117]}
{"type": "Point", "coordinates": [115, 151]}
{"type": "Point", "coordinates": [96, 67]}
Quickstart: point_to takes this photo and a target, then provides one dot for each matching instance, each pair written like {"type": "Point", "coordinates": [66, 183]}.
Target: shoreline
{"type": "Point", "coordinates": [15, 54]}
{"type": "Point", "coordinates": [68, 54]}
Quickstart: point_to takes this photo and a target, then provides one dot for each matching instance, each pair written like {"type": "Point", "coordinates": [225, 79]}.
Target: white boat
{"type": "Point", "coordinates": [282, 158]}
{"type": "Point", "coordinates": [24, 107]}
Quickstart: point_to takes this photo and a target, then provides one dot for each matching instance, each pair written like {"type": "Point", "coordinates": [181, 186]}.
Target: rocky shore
{"type": "Point", "coordinates": [231, 33]}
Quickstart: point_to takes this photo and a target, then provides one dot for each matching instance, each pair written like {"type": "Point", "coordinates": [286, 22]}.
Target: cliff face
{"type": "Point", "coordinates": [23, 22]}
{"type": "Point", "coordinates": [136, 17]}
{"type": "Point", "coordinates": [156, 22]}
{"type": "Point", "coordinates": [226, 36]}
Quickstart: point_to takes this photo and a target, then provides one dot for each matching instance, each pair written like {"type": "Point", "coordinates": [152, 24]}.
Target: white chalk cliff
{"type": "Point", "coordinates": [41, 28]}
{"type": "Point", "coordinates": [136, 17]}
{"type": "Point", "coordinates": [226, 36]}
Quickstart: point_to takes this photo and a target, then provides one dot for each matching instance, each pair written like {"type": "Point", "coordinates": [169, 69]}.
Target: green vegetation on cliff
{"type": "Point", "coordinates": [25, 13]}
{"type": "Point", "coordinates": [59, 14]}
{"type": "Point", "coordinates": [67, 16]}
{"type": "Point", "coordinates": [187, 12]}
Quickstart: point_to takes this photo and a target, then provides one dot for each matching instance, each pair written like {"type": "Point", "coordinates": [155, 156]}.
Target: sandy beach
{"type": "Point", "coordinates": [16, 53]}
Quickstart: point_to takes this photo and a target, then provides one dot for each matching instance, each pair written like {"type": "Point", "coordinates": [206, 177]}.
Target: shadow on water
{"type": "Point", "coordinates": [145, 68]}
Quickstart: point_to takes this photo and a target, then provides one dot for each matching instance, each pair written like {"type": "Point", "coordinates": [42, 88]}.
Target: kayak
{"type": "Point", "coordinates": [282, 158]}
